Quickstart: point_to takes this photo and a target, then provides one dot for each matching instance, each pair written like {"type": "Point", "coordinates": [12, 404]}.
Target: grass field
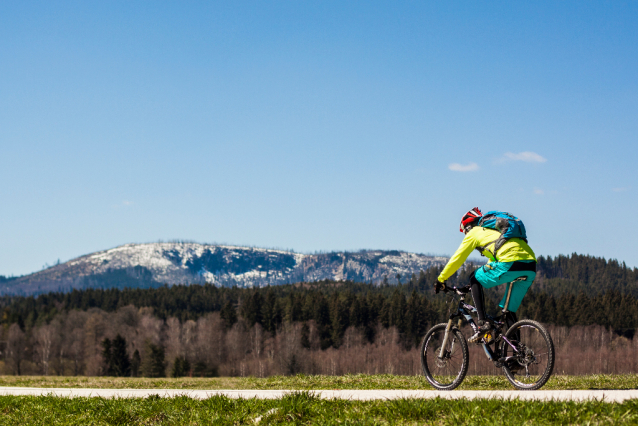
{"type": "Point", "coordinates": [303, 382]}
{"type": "Point", "coordinates": [302, 408]}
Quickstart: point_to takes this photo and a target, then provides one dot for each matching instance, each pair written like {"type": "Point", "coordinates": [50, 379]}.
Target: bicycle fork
{"type": "Point", "coordinates": [446, 336]}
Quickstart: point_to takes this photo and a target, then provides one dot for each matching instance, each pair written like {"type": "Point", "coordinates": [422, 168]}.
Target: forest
{"type": "Point", "coordinates": [324, 327]}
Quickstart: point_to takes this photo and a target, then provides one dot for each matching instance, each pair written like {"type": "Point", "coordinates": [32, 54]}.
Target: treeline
{"type": "Point", "coordinates": [133, 342]}
{"type": "Point", "coordinates": [332, 305]}
{"type": "Point", "coordinates": [588, 274]}
{"type": "Point", "coordinates": [336, 305]}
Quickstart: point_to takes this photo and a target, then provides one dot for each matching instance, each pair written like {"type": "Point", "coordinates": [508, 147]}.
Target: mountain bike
{"type": "Point", "coordinates": [525, 350]}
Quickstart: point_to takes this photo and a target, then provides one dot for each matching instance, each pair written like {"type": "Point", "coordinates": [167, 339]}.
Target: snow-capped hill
{"type": "Point", "coordinates": [175, 263]}
{"type": "Point", "coordinates": [155, 264]}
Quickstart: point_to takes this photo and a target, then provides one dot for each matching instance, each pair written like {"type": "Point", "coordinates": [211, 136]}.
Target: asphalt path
{"type": "Point", "coordinates": [362, 395]}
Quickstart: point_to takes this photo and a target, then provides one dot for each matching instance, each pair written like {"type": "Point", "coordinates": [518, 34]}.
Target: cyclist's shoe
{"type": "Point", "coordinates": [484, 328]}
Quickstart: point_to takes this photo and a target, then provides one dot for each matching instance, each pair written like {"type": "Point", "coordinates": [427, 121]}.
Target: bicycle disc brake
{"type": "Point", "coordinates": [442, 362]}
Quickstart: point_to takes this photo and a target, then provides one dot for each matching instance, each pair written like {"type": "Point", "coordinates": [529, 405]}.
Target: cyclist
{"type": "Point", "coordinates": [515, 259]}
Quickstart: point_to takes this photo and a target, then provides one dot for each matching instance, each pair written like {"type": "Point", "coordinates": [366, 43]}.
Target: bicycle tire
{"type": "Point", "coordinates": [431, 364]}
{"type": "Point", "coordinates": [531, 335]}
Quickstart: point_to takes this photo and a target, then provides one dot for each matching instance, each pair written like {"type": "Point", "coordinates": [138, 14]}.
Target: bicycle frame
{"type": "Point", "coordinates": [464, 311]}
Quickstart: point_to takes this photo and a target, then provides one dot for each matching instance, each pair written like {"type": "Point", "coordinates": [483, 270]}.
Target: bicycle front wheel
{"type": "Point", "coordinates": [448, 371]}
{"type": "Point", "coordinates": [530, 366]}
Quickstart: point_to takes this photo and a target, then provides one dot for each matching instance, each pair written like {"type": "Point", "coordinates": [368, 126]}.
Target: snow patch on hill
{"type": "Point", "coordinates": [154, 264]}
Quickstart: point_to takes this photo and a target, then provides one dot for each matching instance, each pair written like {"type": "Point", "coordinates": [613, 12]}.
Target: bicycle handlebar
{"type": "Point", "coordinates": [458, 290]}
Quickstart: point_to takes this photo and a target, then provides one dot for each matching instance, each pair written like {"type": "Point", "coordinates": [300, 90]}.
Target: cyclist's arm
{"type": "Point", "coordinates": [470, 242]}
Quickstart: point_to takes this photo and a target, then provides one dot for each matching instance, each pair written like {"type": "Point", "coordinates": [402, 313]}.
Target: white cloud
{"type": "Point", "coordinates": [620, 189]}
{"type": "Point", "coordinates": [456, 167]}
{"type": "Point", "coordinates": [123, 204]}
{"type": "Point", "coordinates": [526, 156]}
{"type": "Point", "coordinates": [538, 191]}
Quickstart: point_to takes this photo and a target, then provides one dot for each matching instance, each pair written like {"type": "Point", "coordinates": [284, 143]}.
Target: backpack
{"type": "Point", "coordinates": [507, 224]}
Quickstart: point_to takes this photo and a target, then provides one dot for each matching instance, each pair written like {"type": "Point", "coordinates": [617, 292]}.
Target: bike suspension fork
{"type": "Point", "coordinates": [446, 336]}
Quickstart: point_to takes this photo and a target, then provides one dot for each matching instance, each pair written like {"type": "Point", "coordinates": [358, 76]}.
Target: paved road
{"type": "Point", "coordinates": [574, 395]}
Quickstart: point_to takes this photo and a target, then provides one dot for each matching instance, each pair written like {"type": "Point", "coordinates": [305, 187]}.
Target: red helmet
{"type": "Point", "coordinates": [470, 217]}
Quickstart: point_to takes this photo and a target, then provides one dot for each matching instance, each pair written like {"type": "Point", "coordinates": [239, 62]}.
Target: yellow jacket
{"type": "Point", "coordinates": [513, 250]}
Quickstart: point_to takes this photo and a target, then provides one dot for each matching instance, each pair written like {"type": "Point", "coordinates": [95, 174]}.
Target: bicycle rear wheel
{"type": "Point", "coordinates": [531, 365]}
{"type": "Point", "coordinates": [448, 372]}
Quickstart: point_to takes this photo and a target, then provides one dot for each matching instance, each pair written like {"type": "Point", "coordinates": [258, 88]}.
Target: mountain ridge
{"type": "Point", "coordinates": [149, 265]}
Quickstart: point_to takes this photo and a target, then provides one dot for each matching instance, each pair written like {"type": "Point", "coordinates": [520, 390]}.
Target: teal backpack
{"type": "Point", "coordinates": [507, 224]}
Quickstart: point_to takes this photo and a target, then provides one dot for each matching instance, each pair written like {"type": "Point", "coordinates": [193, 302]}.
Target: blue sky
{"type": "Point", "coordinates": [315, 125]}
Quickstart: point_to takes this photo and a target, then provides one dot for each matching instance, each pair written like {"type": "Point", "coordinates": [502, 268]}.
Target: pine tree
{"type": "Point", "coordinates": [421, 281]}
{"type": "Point", "coordinates": [181, 367]}
{"type": "Point", "coordinates": [356, 313]}
{"type": "Point", "coordinates": [251, 308]}
{"type": "Point", "coordinates": [294, 308]}
{"type": "Point", "coordinates": [154, 364]}
{"type": "Point", "coordinates": [229, 314]}
{"type": "Point", "coordinates": [305, 336]}
{"type": "Point", "coordinates": [397, 311]}
{"type": "Point", "coordinates": [107, 358]}
{"type": "Point", "coordinates": [202, 370]}
{"type": "Point", "coordinates": [415, 320]}
{"type": "Point", "coordinates": [186, 366]}
{"type": "Point", "coordinates": [270, 311]}
{"type": "Point", "coordinates": [121, 363]}
{"type": "Point", "coordinates": [321, 315]}
{"type": "Point", "coordinates": [339, 319]}
{"type": "Point", "coordinates": [135, 363]}
{"type": "Point", "coordinates": [384, 313]}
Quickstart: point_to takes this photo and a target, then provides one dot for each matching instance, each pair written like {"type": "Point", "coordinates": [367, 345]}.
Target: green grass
{"type": "Point", "coordinates": [304, 409]}
{"type": "Point", "coordinates": [304, 382]}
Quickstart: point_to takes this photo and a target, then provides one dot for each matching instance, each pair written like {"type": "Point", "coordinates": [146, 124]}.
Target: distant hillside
{"type": "Point", "coordinates": [587, 274]}
{"type": "Point", "coordinates": [155, 264]}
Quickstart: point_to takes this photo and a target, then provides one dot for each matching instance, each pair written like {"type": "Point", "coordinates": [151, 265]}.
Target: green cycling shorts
{"type": "Point", "coordinates": [497, 273]}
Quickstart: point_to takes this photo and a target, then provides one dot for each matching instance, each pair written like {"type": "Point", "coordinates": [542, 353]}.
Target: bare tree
{"type": "Point", "coordinates": [256, 336]}
{"type": "Point", "coordinates": [189, 339]}
{"type": "Point", "coordinates": [72, 346]}
{"type": "Point", "coordinates": [16, 348]}
{"type": "Point", "coordinates": [94, 330]}
{"type": "Point", "coordinates": [46, 338]}
{"type": "Point", "coordinates": [174, 346]}
{"type": "Point", "coordinates": [71, 343]}
{"type": "Point", "coordinates": [209, 342]}
{"type": "Point", "coordinates": [353, 337]}
{"type": "Point", "coordinates": [125, 322]}
{"type": "Point", "coordinates": [237, 343]}
{"type": "Point", "coordinates": [288, 345]}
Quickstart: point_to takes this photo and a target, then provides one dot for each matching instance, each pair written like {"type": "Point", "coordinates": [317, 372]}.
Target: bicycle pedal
{"type": "Point", "coordinates": [476, 338]}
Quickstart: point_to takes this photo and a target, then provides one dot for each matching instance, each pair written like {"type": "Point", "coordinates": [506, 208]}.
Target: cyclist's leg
{"type": "Point", "coordinates": [478, 296]}
{"type": "Point", "coordinates": [486, 276]}
{"type": "Point", "coordinates": [519, 288]}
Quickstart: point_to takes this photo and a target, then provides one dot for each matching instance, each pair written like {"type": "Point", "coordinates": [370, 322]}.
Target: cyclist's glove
{"type": "Point", "coordinates": [439, 286]}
